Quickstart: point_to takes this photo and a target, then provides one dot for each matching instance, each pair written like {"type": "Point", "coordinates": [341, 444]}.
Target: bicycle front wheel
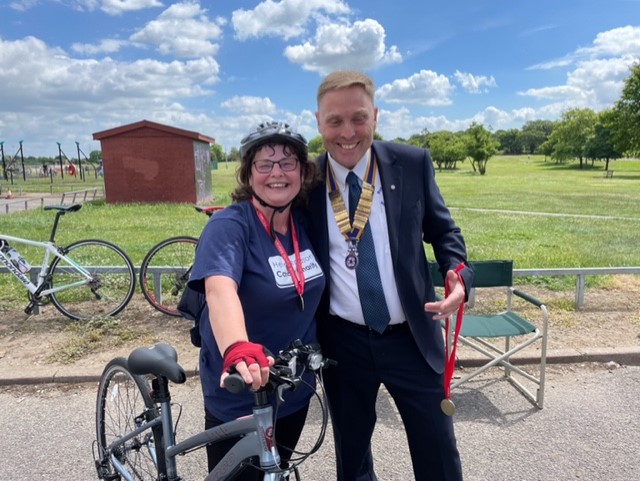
{"type": "Point", "coordinates": [104, 292]}
{"type": "Point", "coordinates": [165, 271]}
{"type": "Point", "coordinates": [124, 403]}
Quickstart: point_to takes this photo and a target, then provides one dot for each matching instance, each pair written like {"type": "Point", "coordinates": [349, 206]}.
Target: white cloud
{"type": "Point", "coordinates": [551, 64]}
{"type": "Point", "coordinates": [109, 45]}
{"type": "Point", "coordinates": [22, 5]}
{"type": "Point", "coordinates": [594, 84]}
{"type": "Point", "coordinates": [474, 83]}
{"type": "Point", "coordinates": [617, 42]}
{"type": "Point", "coordinates": [360, 46]}
{"type": "Point", "coordinates": [284, 19]}
{"type": "Point", "coordinates": [598, 74]}
{"type": "Point", "coordinates": [247, 104]}
{"type": "Point", "coordinates": [117, 7]}
{"type": "Point", "coordinates": [402, 123]}
{"type": "Point", "coordinates": [70, 96]}
{"type": "Point", "coordinates": [493, 118]}
{"type": "Point", "coordinates": [424, 88]}
{"type": "Point", "coordinates": [182, 30]}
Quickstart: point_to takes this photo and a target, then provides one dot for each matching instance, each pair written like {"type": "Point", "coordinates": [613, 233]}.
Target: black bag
{"type": "Point", "coordinates": [191, 305]}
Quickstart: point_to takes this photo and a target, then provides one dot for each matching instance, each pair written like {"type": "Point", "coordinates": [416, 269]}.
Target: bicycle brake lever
{"type": "Point", "coordinates": [287, 384]}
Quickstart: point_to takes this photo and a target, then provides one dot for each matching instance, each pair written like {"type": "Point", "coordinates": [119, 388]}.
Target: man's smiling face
{"type": "Point", "coordinates": [347, 120]}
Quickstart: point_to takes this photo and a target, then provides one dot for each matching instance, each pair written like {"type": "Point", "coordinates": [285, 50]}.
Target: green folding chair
{"type": "Point", "coordinates": [514, 332]}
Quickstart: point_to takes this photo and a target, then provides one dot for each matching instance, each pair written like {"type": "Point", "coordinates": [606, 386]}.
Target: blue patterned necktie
{"type": "Point", "coordinates": [374, 306]}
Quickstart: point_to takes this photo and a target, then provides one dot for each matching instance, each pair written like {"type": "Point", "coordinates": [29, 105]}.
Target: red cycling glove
{"type": "Point", "coordinates": [245, 351]}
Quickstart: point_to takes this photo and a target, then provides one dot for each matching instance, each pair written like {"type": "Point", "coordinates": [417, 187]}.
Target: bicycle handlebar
{"type": "Point", "coordinates": [210, 210]}
{"type": "Point", "coordinates": [286, 373]}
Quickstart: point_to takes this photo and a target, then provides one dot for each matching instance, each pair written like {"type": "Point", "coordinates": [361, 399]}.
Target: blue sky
{"type": "Point", "coordinates": [69, 68]}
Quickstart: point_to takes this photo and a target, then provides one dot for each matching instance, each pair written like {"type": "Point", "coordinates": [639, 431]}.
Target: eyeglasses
{"type": "Point", "coordinates": [266, 166]}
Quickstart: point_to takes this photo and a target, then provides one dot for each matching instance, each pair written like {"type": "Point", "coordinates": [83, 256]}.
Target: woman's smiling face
{"type": "Point", "coordinates": [277, 187]}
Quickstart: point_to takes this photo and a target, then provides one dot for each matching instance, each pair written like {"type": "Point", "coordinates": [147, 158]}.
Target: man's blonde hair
{"type": "Point", "coordinates": [341, 79]}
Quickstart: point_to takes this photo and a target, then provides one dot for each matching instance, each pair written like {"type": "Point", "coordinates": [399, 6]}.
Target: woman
{"type": "Point", "coordinates": [261, 279]}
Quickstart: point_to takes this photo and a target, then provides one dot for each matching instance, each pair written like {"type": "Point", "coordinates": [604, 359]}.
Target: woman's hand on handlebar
{"type": "Point", "coordinates": [251, 361]}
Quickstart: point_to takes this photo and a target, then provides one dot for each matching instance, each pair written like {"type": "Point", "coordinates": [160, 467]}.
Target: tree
{"type": "Point", "coordinates": [626, 125]}
{"type": "Point", "coordinates": [447, 149]}
{"type": "Point", "coordinates": [420, 140]}
{"type": "Point", "coordinates": [571, 134]}
{"type": "Point", "coordinates": [481, 146]}
{"type": "Point", "coordinates": [546, 148]}
{"type": "Point", "coordinates": [217, 153]}
{"type": "Point", "coordinates": [95, 156]}
{"type": "Point", "coordinates": [233, 155]}
{"type": "Point", "coordinates": [316, 146]}
{"type": "Point", "coordinates": [535, 133]}
{"type": "Point", "coordinates": [601, 145]}
{"type": "Point", "coordinates": [509, 141]}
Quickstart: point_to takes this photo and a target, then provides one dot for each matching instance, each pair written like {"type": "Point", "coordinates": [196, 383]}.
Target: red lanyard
{"type": "Point", "coordinates": [297, 274]}
{"type": "Point", "coordinates": [450, 350]}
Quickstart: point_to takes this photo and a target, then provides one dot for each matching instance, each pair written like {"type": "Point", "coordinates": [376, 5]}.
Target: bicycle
{"type": "Point", "coordinates": [165, 269]}
{"type": "Point", "coordinates": [87, 279]}
{"type": "Point", "coordinates": [136, 437]}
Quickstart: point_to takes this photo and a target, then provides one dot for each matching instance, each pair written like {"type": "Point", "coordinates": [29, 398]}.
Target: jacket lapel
{"type": "Point", "coordinates": [391, 175]}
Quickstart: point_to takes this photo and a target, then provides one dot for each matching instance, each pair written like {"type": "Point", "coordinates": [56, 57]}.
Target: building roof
{"type": "Point", "coordinates": [152, 125]}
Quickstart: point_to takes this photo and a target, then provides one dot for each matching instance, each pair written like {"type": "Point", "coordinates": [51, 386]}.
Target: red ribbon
{"type": "Point", "coordinates": [450, 351]}
{"type": "Point", "coordinates": [297, 274]}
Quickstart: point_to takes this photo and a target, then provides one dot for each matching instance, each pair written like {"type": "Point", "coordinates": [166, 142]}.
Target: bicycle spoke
{"type": "Point", "coordinates": [164, 272]}
{"type": "Point", "coordinates": [105, 293]}
{"type": "Point", "coordinates": [123, 405]}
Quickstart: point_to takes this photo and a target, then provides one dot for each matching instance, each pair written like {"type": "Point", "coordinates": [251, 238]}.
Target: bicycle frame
{"type": "Point", "coordinates": [50, 251]}
{"type": "Point", "coordinates": [257, 441]}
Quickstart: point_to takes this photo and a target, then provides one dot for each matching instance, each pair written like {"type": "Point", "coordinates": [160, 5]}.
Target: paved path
{"type": "Point", "coordinates": [589, 430]}
{"type": "Point", "coordinates": [26, 201]}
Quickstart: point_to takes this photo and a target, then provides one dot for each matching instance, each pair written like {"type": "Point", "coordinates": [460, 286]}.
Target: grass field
{"type": "Point", "coordinates": [539, 214]}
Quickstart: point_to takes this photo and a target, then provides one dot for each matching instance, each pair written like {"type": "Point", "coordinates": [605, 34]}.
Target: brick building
{"type": "Point", "coordinates": [150, 162]}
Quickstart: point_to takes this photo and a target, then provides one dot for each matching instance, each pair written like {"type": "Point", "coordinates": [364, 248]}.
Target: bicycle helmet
{"type": "Point", "coordinates": [272, 131]}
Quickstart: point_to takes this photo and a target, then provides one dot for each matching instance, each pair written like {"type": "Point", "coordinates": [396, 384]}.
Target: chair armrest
{"type": "Point", "coordinates": [528, 298]}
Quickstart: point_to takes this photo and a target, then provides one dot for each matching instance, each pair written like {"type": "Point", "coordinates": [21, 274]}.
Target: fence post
{"type": "Point", "coordinates": [580, 283]}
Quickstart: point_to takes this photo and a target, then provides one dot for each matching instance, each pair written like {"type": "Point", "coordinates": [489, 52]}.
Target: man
{"type": "Point", "coordinates": [401, 206]}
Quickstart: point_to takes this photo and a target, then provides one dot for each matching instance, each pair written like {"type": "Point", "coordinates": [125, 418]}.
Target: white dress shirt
{"type": "Point", "coordinates": [345, 301]}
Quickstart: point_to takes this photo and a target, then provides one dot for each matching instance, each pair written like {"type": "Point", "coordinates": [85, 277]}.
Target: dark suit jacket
{"type": "Point", "coordinates": [416, 213]}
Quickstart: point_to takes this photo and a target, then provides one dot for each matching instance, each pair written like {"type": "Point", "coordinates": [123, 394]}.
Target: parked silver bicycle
{"type": "Point", "coordinates": [87, 279]}
{"type": "Point", "coordinates": [136, 437]}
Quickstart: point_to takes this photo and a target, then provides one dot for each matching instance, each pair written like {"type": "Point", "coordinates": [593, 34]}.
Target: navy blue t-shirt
{"type": "Point", "coordinates": [235, 244]}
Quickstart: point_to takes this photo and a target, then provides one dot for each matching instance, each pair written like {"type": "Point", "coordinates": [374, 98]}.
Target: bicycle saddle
{"type": "Point", "coordinates": [64, 208]}
{"type": "Point", "coordinates": [160, 360]}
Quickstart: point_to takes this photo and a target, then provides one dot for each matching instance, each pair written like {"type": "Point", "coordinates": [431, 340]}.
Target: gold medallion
{"type": "Point", "coordinates": [448, 407]}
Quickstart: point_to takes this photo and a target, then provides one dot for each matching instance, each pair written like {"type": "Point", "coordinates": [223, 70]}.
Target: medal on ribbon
{"type": "Point", "coordinates": [451, 342]}
{"type": "Point", "coordinates": [351, 261]}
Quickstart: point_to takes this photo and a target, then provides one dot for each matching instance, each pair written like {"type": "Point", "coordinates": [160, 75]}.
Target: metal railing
{"type": "Point", "coordinates": [70, 197]}
{"type": "Point", "coordinates": [25, 202]}
{"type": "Point", "coordinates": [79, 194]}
{"type": "Point", "coordinates": [579, 272]}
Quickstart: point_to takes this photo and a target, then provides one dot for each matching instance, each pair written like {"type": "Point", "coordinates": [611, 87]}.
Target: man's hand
{"type": "Point", "coordinates": [450, 305]}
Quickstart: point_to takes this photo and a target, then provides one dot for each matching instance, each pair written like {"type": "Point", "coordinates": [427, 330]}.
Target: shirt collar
{"type": "Point", "coordinates": [341, 172]}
